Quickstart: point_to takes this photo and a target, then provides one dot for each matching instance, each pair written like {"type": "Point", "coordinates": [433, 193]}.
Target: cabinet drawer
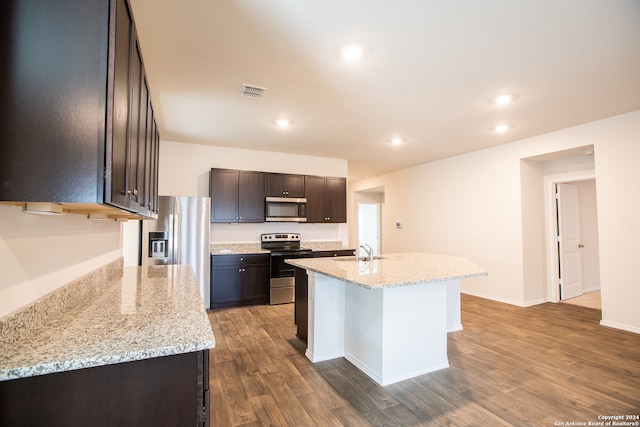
{"type": "Point", "coordinates": [341, 252]}
{"type": "Point", "coordinates": [239, 260]}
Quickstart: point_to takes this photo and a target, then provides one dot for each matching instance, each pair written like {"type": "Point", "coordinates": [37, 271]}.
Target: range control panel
{"type": "Point", "coordinates": [280, 237]}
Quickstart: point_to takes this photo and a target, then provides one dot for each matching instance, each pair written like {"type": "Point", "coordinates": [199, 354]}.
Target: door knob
{"type": "Point", "coordinates": [580, 245]}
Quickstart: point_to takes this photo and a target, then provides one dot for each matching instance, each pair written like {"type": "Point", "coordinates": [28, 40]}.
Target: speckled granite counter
{"type": "Point", "coordinates": [254, 248]}
{"type": "Point", "coordinates": [144, 312]}
{"type": "Point", "coordinates": [237, 249]}
{"type": "Point", "coordinates": [392, 270]}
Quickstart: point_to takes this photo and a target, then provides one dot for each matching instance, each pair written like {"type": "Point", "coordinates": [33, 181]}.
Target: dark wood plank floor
{"type": "Point", "coordinates": [510, 366]}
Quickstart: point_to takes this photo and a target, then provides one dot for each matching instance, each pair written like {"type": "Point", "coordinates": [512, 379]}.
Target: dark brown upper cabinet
{"type": "Point", "coordinates": [77, 124]}
{"type": "Point", "coordinates": [236, 196]}
{"type": "Point", "coordinates": [283, 185]}
{"type": "Point", "coordinates": [326, 199]}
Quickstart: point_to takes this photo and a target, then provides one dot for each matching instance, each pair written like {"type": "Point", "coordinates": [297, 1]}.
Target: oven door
{"type": "Point", "coordinates": [282, 283]}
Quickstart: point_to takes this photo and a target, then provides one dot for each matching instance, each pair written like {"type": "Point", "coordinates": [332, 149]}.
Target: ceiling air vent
{"type": "Point", "coordinates": [251, 91]}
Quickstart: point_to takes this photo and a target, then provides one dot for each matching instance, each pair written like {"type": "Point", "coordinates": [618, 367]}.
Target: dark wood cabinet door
{"type": "Point", "coordinates": [294, 185]}
{"type": "Point", "coordinates": [223, 189]}
{"type": "Point", "coordinates": [203, 392]}
{"type": "Point", "coordinates": [154, 166]}
{"type": "Point", "coordinates": [161, 391]}
{"type": "Point", "coordinates": [226, 286]}
{"type": "Point", "coordinates": [315, 193]}
{"type": "Point", "coordinates": [251, 196]}
{"type": "Point", "coordinates": [274, 186]}
{"type": "Point", "coordinates": [284, 185]}
{"type": "Point", "coordinates": [335, 199]}
{"type": "Point", "coordinates": [53, 73]}
{"type": "Point", "coordinates": [239, 280]}
{"type": "Point", "coordinates": [255, 283]}
{"type": "Point", "coordinates": [326, 199]}
{"type": "Point", "coordinates": [301, 308]}
{"type": "Point", "coordinates": [117, 168]}
{"type": "Point", "coordinates": [135, 118]}
{"type": "Point", "coordinates": [147, 170]}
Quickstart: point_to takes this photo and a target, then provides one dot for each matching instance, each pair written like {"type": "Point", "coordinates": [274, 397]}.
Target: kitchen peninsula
{"type": "Point", "coordinates": [389, 316]}
{"type": "Point", "coordinates": [125, 346]}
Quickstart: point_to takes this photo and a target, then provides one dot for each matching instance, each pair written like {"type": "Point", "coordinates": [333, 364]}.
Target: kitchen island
{"type": "Point", "coordinates": [126, 348]}
{"type": "Point", "coordinates": [388, 316]}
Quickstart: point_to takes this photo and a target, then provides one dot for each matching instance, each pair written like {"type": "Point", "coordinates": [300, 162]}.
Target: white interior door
{"type": "Point", "coordinates": [570, 256]}
{"type": "Point", "coordinates": [369, 226]}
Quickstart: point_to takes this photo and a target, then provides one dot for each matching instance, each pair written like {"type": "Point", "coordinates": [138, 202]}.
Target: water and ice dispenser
{"type": "Point", "coordinates": [158, 244]}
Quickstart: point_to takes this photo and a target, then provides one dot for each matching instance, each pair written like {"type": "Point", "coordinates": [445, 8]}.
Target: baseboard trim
{"type": "Point", "coordinates": [615, 325]}
{"type": "Point", "coordinates": [493, 298]}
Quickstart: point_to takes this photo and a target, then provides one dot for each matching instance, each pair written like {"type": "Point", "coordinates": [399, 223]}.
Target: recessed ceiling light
{"type": "Point", "coordinates": [352, 53]}
{"type": "Point", "coordinates": [283, 123]}
{"type": "Point", "coordinates": [503, 99]}
{"type": "Point", "coordinates": [396, 141]}
{"type": "Point", "coordinates": [502, 128]}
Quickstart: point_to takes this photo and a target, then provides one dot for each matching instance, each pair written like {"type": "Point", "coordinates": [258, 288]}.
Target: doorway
{"type": "Point", "coordinates": [368, 208]}
{"type": "Point", "coordinates": [369, 226]}
{"type": "Point", "coordinates": [575, 242]}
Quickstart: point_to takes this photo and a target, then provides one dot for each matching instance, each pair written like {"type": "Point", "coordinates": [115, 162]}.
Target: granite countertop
{"type": "Point", "coordinates": [392, 269]}
{"type": "Point", "coordinates": [254, 248]}
{"type": "Point", "coordinates": [143, 313]}
{"type": "Point", "coordinates": [237, 249]}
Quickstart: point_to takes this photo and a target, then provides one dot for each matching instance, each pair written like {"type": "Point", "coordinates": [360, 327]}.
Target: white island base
{"type": "Point", "coordinates": [391, 333]}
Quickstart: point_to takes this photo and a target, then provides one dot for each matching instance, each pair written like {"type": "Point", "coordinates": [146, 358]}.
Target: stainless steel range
{"type": "Point", "coordinates": [283, 246]}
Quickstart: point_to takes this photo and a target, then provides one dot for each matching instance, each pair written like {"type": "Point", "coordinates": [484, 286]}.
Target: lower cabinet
{"type": "Point", "coordinates": [162, 391]}
{"type": "Point", "coordinates": [239, 280]}
{"type": "Point", "coordinates": [301, 309]}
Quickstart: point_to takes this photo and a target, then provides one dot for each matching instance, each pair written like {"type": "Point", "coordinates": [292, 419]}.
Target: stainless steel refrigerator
{"type": "Point", "coordinates": [180, 235]}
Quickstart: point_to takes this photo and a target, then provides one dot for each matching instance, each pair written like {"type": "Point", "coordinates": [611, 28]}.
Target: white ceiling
{"type": "Point", "coordinates": [429, 71]}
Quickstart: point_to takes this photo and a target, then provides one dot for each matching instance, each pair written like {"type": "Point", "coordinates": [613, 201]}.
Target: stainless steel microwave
{"type": "Point", "coordinates": [285, 209]}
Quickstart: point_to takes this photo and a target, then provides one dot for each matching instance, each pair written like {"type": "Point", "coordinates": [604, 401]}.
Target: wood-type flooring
{"type": "Point", "coordinates": [547, 365]}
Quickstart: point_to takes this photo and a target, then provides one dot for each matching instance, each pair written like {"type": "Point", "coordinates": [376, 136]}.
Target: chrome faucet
{"type": "Point", "coordinates": [368, 250]}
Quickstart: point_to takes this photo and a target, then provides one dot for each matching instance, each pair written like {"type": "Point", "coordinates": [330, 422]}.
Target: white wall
{"type": "Point", "coordinates": [534, 208]}
{"type": "Point", "coordinates": [617, 179]}
{"type": "Point", "coordinates": [184, 171]}
{"type": "Point", "coordinates": [38, 254]}
{"type": "Point", "coordinates": [184, 168]}
{"type": "Point", "coordinates": [472, 205]}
